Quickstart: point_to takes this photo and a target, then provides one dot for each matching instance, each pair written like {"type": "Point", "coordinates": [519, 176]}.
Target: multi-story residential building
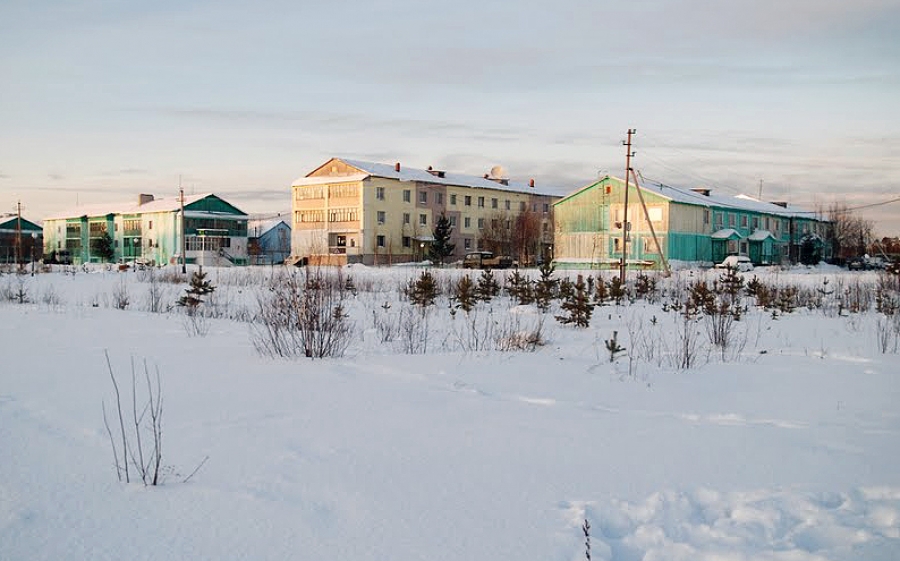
{"type": "Point", "coordinates": [20, 239]}
{"type": "Point", "coordinates": [351, 211]}
{"type": "Point", "coordinates": [691, 225]}
{"type": "Point", "coordinates": [213, 231]}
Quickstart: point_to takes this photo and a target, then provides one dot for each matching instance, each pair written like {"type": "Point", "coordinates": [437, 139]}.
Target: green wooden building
{"type": "Point", "coordinates": [690, 225]}
{"type": "Point", "coordinates": [150, 231]}
{"type": "Point", "coordinates": [20, 239]}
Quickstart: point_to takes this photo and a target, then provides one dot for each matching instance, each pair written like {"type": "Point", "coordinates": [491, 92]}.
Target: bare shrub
{"type": "Point", "coordinates": [120, 297]}
{"type": "Point", "coordinates": [385, 324]}
{"type": "Point", "coordinates": [302, 314]}
{"type": "Point", "coordinates": [144, 457]}
{"type": "Point", "coordinates": [516, 333]}
{"type": "Point", "coordinates": [887, 333]}
{"type": "Point", "coordinates": [49, 296]}
{"type": "Point", "coordinates": [139, 431]}
{"type": "Point", "coordinates": [414, 330]}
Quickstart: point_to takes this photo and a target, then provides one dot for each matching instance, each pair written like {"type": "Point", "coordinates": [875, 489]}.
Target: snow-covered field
{"type": "Point", "coordinates": [785, 447]}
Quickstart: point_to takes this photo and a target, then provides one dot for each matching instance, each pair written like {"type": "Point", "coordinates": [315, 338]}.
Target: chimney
{"type": "Point", "coordinates": [782, 204]}
{"type": "Point", "coordinates": [702, 190]}
{"type": "Point", "coordinates": [144, 198]}
{"type": "Point", "coordinates": [397, 167]}
{"type": "Point", "coordinates": [531, 183]}
{"type": "Point", "coordinates": [486, 176]}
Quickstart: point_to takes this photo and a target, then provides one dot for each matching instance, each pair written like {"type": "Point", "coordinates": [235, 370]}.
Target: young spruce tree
{"type": "Point", "coordinates": [577, 306]}
{"type": "Point", "coordinates": [441, 248]}
{"type": "Point", "coordinates": [198, 289]}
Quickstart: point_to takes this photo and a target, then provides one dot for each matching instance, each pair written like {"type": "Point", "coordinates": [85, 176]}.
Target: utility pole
{"type": "Point", "coordinates": [625, 223]}
{"type": "Point", "coordinates": [183, 256]}
{"type": "Point", "coordinates": [18, 232]}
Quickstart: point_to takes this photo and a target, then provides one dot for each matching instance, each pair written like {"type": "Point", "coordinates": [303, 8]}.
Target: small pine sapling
{"type": "Point", "coordinates": [578, 306]}
{"type": "Point", "coordinates": [424, 290]}
{"type": "Point", "coordinates": [519, 288]}
{"type": "Point", "coordinates": [545, 287]}
{"type": "Point", "coordinates": [487, 287]}
{"type": "Point", "coordinates": [612, 345]}
{"type": "Point", "coordinates": [198, 289]}
{"type": "Point", "coordinates": [617, 290]}
{"type": "Point", "coordinates": [644, 286]}
{"type": "Point", "coordinates": [601, 292]}
{"type": "Point", "coordinates": [464, 294]}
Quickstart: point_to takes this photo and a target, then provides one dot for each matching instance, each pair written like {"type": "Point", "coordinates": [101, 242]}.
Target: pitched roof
{"type": "Point", "coordinates": [257, 228]}
{"type": "Point", "coordinates": [691, 197]}
{"type": "Point", "coordinates": [169, 204]}
{"type": "Point", "coordinates": [9, 221]}
{"type": "Point", "coordinates": [389, 171]}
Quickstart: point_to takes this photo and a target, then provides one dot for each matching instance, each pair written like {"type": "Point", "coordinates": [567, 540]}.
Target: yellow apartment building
{"type": "Point", "coordinates": [351, 211]}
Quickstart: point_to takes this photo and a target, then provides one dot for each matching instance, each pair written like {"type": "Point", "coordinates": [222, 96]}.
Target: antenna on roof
{"type": "Point", "coordinates": [760, 190]}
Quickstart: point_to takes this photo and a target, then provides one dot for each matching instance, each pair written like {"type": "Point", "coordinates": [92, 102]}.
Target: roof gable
{"type": "Point", "coordinates": [11, 222]}
{"type": "Point", "coordinates": [360, 169]}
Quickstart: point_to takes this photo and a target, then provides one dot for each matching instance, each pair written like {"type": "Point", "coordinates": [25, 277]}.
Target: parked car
{"type": "Point", "coordinates": [739, 262]}
{"type": "Point", "coordinates": [867, 263]}
{"type": "Point", "coordinates": [487, 260]}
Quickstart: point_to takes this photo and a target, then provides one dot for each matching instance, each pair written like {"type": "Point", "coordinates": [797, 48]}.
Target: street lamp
{"type": "Point", "coordinates": [33, 243]}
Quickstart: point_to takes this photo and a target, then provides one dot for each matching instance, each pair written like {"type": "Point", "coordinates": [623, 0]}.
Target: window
{"type": "Point", "coordinates": [406, 218]}
{"type": "Point", "coordinates": [705, 216]}
{"type": "Point", "coordinates": [467, 222]}
{"type": "Point", "coordinates": [381, 217]}
{"type": "Point", "coordinates": [743, 221]}
{"type": "Point", "coordinates": [617, 244]}
{"type": "Point", "coordinates": [655, 213]}
{"type": "Point", "coordinates": [730, 220]}
{"type": "Point", "coordinates": [719, 220]}
{"type": "Point", "coordinates": [768, 223]}
{"type": "Point", "coordinates": [507, 204]}
{"type": "Point", "coordinates": [423, 219]}
{"type": "Point", "coordinates": [546, 226]}
{"type": "Point", "coordinates": [546, 208]}
{"type": "Point", "coordinates": [439, 198]}
{"type": "Point", "coordinates": [453, 200]}
{"type": "Point", "coordinates": [379, 240]}
{"type": "Point", "coordinates": [423, 197]}
{"type": "Point", "coordinates": [453, 221]}
{"type": "Point", "coordinates": [495, 223]}
{"type": "Point", "coordinates": [509, 224]}
{"type": "Point", "coordinates": [522, 206]}
{"type": "Point", "coordinates": [406, 241]}
{"type": "Point", "coordinates": [480, 202]}
{"type": "Point", "coordinates": [407, 195]}
{"type": "Point", "coordinates": [481, 223]}
{"type": "Point", "coordinates": [379, 193]}
{"type": "Point", "coordinates": [777, 225]}
{"type": "Point", "coordinates": [494, 203]}
{"type": "Point", "coordinates": [468, 200]}
{"type": "Point", "coordinates": [467, 243]}
{"type": "Point", "coordinates": [755, 222]}
{"type": "Point", "coordinates": [150, 225]}
{"type": "Point", "coordinates": [743, 248]}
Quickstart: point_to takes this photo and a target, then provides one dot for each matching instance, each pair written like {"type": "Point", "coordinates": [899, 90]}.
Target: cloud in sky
{"type": "Point", "coordinates": [118, 97]}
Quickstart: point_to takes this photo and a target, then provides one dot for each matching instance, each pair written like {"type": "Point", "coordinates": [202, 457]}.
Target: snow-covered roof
{"type": "Point", "coordinates": [169, 204]}
{"type": "Point", "coordinates": [737, 202]}
{"type": "Point", "coordinates": [760, 235]}
{"type": "Point", "coordinates": [257, 228]}
{"type": "Point", "coordinates": [725, 234]}
{"type": "Point", "coordinates": [389, 171]}
{"type": "Point", "coordinates": [691, 197]}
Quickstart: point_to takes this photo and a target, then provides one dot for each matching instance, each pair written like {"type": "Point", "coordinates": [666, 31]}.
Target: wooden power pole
{"type": "Point", "coordinates": [626, 226]}
{"type": "Point", "coordinates": [183, 230]}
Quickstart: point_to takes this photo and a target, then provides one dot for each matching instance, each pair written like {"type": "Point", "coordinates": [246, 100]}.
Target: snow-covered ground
{"type": "Point", "coordinates": [784, 448]}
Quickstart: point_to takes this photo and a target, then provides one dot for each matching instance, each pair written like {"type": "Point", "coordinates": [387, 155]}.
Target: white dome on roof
{"type": "Point", "coordinates": [497, 172]}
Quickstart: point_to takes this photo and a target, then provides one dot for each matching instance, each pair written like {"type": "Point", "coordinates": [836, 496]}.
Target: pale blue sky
{"type": "Point", "coordinates": [104, 99]}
